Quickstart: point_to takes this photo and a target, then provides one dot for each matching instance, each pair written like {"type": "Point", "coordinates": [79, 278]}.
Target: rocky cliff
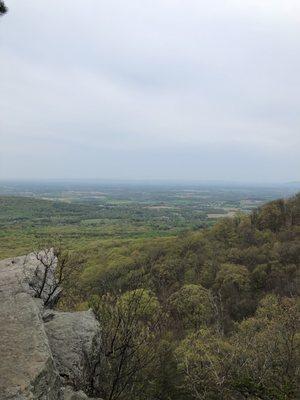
{"type": "Point", "coordinates": [44, 354]}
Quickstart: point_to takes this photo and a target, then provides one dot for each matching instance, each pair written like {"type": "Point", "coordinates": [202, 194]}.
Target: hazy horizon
{"type": "Point", "coordinates": [151, 182]}
{"type": "Point", "coordinates": [160, 90]}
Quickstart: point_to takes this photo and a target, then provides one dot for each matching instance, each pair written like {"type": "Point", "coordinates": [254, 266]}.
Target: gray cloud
{"type": "Point", "coordinates": [150, 89]}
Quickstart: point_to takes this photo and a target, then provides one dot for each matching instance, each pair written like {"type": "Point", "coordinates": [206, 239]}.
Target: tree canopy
{"type": "Point", "coordinates": [211, 314]}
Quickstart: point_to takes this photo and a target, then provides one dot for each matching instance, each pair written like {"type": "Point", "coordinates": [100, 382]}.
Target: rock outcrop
{"type": "Point", "coordinates": [41, 350]}
{"type": "Point", "coordinates": [74, 339]}
{"type": "Point", "coordinates": [70, 394]}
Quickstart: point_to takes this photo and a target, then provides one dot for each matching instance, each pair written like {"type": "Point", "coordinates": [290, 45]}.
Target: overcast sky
{"type": "Point", "coordinates": [140, 89]}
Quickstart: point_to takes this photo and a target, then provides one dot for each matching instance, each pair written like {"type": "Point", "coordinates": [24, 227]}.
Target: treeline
{"type": "Point", "coordinates": [209, 315]}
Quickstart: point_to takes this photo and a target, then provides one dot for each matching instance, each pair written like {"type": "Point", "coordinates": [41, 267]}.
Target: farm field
{"type": "Point", "coordinates": [89, 215]}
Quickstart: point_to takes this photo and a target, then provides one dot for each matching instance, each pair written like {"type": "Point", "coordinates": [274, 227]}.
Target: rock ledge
{"type": "Point", "coordinates": [41, 350]}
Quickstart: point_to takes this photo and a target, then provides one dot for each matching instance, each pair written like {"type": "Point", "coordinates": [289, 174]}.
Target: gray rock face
{"type": "Point", "coordinates": [18, 274]}
{"type": "Point", "coordinates": [30, 366]}
{"type": "Point", "coordinates": [74, 339]}
{"type": "Point", "coordinates": [27, 368]}
{"type": "Point", "coordinates": [70, 394]}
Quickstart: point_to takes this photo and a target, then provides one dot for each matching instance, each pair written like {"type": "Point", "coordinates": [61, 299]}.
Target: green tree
{"type": "Point", "coordinates": [272, 216]}
{"type": "Point", "coordinates": [265, 364]}
{"type": "Point", "coordinates": [204, 360]}
{"type": "Point", "coordinates": [130, 327]}
{"type": "Point", "coordinates": [232, 289]}
{"type": "Point", "coordinates": [191, 306]}
{"type": "Point", "coordinates": [259, 362]}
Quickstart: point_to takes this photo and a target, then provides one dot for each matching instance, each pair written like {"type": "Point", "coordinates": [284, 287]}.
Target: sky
{"type": "Point", "coordinates": [150, 90]}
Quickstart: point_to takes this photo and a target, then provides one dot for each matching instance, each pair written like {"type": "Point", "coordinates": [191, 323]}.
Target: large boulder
{"type": "Point", "coordinates": [41, 350]}
{"type": "Point", "coordinates": [70, 394]}
{"type": "Point", "coordinates": [27, 369]}
{"type": "Point", "coordinates": [74, 339]}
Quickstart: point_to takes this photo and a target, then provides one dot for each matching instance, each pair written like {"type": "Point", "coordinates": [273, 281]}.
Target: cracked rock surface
{"type": "Point", "coordinates": [73, 339]}
{"type": "Point", "coordinates": [38, 356]}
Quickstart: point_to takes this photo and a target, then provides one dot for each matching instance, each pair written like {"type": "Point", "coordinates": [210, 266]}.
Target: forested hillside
{"type": "Point", "coordinates": [210, 314]}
